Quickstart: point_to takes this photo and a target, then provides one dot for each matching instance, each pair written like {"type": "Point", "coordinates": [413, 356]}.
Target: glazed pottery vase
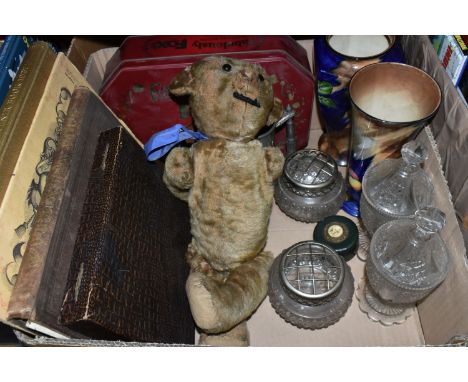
{"type": "Point", "coordinates": [391, 103]}
{"type": "Point", "coordinates": [337, 58]}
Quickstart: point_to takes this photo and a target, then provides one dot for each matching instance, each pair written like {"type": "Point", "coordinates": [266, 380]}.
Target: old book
{"type": "Point", "coordinates": [38, 291]}
{"type": "Point", "coordinates": [17, 112]}
{"type": "Point", "coordinates": [12, 53]}
{"type": "Point", "coordinates": [128, 271]}
{"type": "Point", "coordinates": [26, 183]}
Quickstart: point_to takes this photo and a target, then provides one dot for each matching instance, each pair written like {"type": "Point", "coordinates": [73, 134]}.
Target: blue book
{"type": "Point", "coordinates": [12, 53]}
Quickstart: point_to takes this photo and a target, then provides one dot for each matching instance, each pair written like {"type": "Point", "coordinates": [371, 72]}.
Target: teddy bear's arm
{"type": "Point", "coordinates": [178, 172]}
{"type": "Point", "coordinates": [275, 161]}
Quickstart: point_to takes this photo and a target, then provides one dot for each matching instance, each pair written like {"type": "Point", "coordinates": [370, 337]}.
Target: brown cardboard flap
{"type": "Point", "coordinates": [81, 48]}
{"type": "Point", "coordinates": [450, 125]}
{"type": "Point", "coordinates": [96, 67]}
{"type": "Point", "coordinates": [444, 313]}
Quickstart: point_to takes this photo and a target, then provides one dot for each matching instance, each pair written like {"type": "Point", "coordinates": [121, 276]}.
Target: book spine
{"type": "Point", "coordinates": [462, 53]}
{"type": "Point", "coordinates": [13, 53]}
{"type": "Point", "coordinates": [9, 40]}
{"type": "Point", "coordinates": [453, 59]}
{"type": "Point", "coordinates": [18, 209]}
{"type": "Point", "coordinates": [86, 260]}
{"type": "Point", "coordinates": [22, 301]}
{"type": "Point", "coordinates": [463, 87]}
{"type": "Point", "coordinates": [17, 112]}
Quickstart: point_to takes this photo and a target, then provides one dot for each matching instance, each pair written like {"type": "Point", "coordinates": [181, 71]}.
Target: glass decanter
{"type": "Point", "coordinates": [395, 188]}
{"type": "Point", "coordinates": [408, 259]}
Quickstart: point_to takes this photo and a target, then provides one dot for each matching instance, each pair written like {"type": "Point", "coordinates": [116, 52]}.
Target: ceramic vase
{"type": "Point", "coordinates": [337, 58]}
{"type": "Point", "coordinates": [391, 103]}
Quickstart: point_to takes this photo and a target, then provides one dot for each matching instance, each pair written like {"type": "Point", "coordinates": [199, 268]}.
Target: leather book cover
{"type": "Point", "coordinates": [20, 203]}
{"type": "Point", "coordinates": [17, 112]}
{"type": "Point", "coordinates": [128, 271]}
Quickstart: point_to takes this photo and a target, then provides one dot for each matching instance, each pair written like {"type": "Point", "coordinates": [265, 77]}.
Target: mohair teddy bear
{"type": "Point", "coordinates": [228, 183]}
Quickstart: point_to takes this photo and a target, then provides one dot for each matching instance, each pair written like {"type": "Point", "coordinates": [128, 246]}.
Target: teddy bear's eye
{"type": "Point", "coordinates": [261, 78]}
{"type": "Point", "coordinates": [227, 67]}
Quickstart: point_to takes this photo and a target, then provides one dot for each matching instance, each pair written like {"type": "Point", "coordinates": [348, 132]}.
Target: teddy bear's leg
{"type": "Point", "coordinates": [237, 336]}
{"type": "Point", "coordinates": [218, 305]}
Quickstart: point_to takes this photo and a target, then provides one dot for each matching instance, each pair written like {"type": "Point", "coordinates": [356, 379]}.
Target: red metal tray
{"type": "Point", "coordinates": [136, 88]}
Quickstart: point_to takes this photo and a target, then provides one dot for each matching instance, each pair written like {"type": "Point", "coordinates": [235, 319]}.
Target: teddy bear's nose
{"type": "Point", "coordinates": [248, 73]}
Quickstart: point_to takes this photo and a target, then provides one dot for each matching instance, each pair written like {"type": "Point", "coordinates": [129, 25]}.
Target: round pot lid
{"type": "Point", "coordinates": [310, 169]}
{"type": "Point", "coordinates": [311, 270]}
{"type": "Point", "coordinates": [339, 233]}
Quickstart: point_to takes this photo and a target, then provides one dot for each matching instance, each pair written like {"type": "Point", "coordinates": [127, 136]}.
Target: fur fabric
{"type": "Point", "coordinates": [228, 183]}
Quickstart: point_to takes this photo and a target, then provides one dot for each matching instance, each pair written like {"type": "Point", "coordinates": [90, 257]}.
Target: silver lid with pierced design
{"type": "Point", "coordinates": [310, 169]}
{"type": "Point", "coordinates": [310, 270]}
{"type": "Point", "coordinates": [311, 187]}
{"type": "Point", "coordinates": [310, 285]}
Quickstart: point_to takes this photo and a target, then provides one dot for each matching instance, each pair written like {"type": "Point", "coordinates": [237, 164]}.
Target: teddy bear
{"type": "Point", "coordinates": [227, 180]}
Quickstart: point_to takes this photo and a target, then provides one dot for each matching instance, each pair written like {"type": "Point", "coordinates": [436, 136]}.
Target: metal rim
{"type": "Point", "coordinates": [325, 250]}
{"type": "Point", "coordinates": [393, 123]}
{"type": "Point", "coordinates": [318, 156]}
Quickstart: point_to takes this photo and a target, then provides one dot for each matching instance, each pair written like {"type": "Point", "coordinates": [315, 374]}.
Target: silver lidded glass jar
{"type": "Point", "coordinates": [311, 187]}
{"type": "Point", "coordinates": [395, 188]}
{"type": "Point", "coordinates": [408, 259]}
{"type": "Point", "coordinates": [310, 285]}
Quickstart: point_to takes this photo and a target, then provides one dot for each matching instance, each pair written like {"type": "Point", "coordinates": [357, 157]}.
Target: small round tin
{"type": "Point", "coordinates": [311, 187]}
{"type": "Point", "coordinates": [310, 285]}
{"type": "Point", "coordinates": [339, 233]}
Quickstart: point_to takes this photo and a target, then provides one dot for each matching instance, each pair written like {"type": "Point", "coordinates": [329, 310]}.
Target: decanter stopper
{"type": "Point", "coordinates": [413, 153]}
{"type": "Point", "coordinates": [430, 220]}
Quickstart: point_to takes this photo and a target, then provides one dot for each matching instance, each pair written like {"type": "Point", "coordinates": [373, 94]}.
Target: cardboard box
{"type": "Point", "coordinates": [443, 316]}
{"type": "Point", "coordinates": [81, 48]}
{"type": "Point", "coordinates": [449, 126]}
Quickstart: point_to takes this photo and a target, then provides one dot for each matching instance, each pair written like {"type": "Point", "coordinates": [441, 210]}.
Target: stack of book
{"type": "Point", "coordinates": [92, 243]}
{"type": "Point", "coordinates": [453, 54]}
{"type": "Point", "coordinates": [12, 52]}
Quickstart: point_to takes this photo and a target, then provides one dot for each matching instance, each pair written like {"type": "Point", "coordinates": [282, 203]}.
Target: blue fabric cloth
{"type": "Point", "coordinates": [163, 141]}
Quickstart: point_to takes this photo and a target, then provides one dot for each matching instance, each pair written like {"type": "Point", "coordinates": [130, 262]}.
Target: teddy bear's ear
{"type": "Point", "coordinates": [276, 112]}
{"type": "Point", "coordinates": [181, 84]}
